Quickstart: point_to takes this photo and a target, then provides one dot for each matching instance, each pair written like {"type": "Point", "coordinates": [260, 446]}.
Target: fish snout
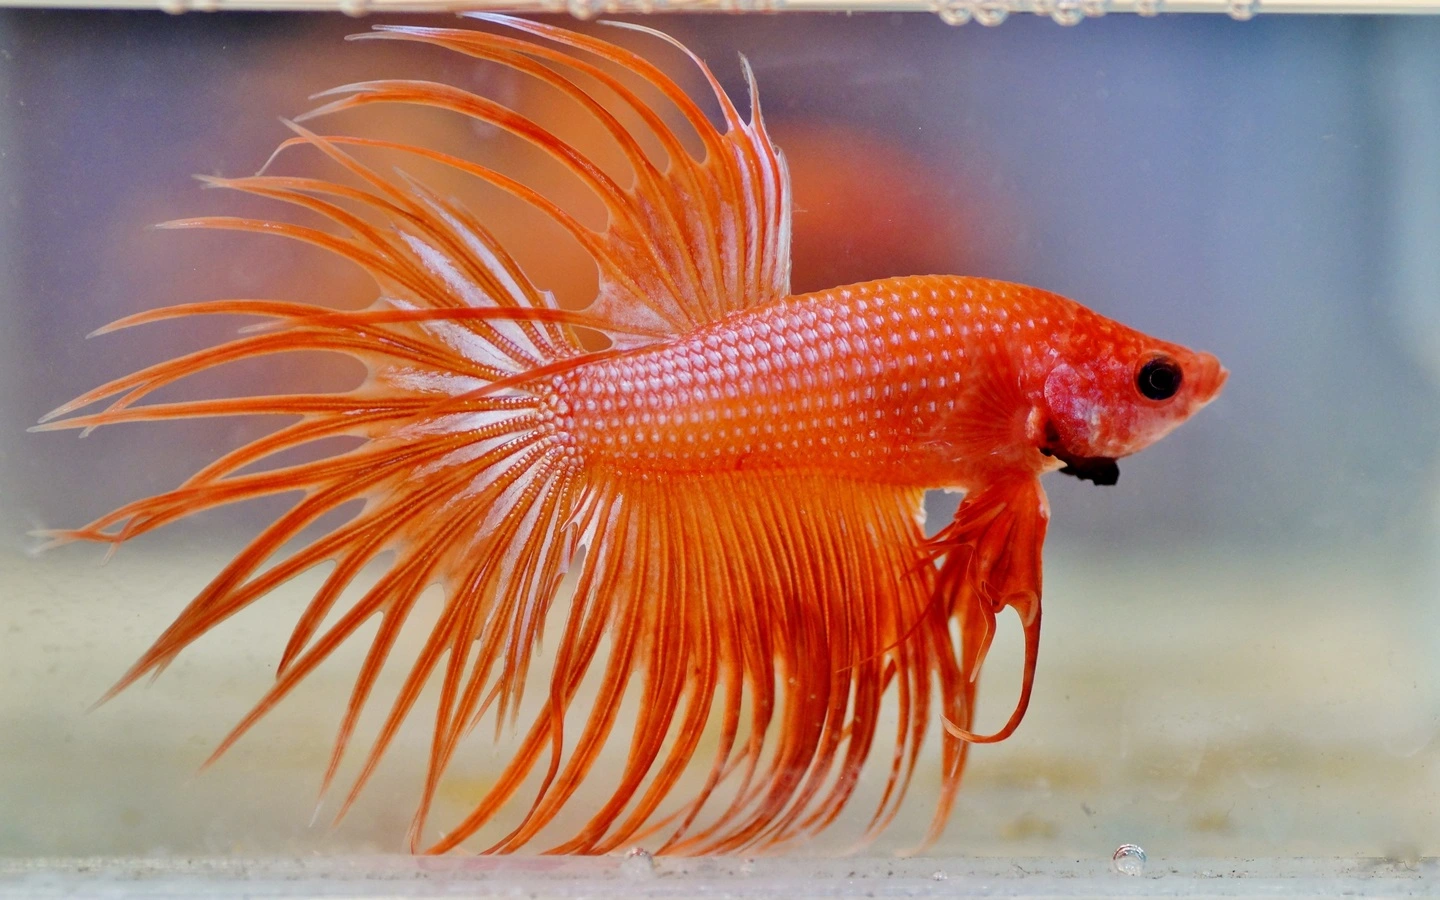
{"type": "Point", "coordinates": [1212, 377]}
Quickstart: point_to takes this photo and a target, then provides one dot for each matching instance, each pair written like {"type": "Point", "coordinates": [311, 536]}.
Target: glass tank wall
{"type": "Point", "coordinates": [1240, 643]}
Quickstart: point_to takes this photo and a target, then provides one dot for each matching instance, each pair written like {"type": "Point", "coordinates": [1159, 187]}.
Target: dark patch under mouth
{"type": "Point", "coordinates": [1099, 469]}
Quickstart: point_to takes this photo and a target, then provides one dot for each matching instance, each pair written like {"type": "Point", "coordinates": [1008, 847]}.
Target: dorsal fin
{"type": "Point", "coordinates": [690, 240]}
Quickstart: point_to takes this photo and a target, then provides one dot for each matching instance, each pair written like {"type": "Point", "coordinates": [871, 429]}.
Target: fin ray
{"type": "Point", "coordinates": [762, 618]}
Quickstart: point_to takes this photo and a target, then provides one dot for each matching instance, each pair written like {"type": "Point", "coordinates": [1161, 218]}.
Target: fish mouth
{"type": "Point", "coordinates": [1214, 376]}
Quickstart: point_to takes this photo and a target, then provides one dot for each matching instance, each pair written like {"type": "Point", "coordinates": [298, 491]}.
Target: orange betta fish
{"type": "Point", "coordinates": [744, 468]}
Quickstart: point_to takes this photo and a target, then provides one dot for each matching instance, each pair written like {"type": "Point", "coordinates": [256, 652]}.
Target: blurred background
{"type": "Point", "coordinates": [1241, 636]}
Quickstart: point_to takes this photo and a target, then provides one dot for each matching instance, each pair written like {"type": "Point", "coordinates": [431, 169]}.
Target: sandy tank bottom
{"type": "Point", "coordinates": [1217, 725]}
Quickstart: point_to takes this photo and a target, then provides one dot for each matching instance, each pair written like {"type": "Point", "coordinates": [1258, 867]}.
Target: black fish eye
{"type": "Point", "coordinates": [1159, 378]}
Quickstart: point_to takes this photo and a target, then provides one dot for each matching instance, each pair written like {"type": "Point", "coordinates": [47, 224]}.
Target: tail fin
{"type": "Point", "coordinates": [458, 475]}
{"type": "Point", "coordinates": [458, 472]}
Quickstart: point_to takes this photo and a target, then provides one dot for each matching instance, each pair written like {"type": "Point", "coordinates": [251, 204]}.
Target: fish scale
{"type": "Point", "coordinates": [855, 378]}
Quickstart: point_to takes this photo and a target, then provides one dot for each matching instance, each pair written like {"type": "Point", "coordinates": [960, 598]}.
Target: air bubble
{"type": "Point", "coordinates": [953, 12]}
{"type": "Point", "coordinates": [355, 8]}
{"type": "Point", "coordinates": [1147, 7]}
{"type": "Point", "coordinates": [583, 9]}
{"type": "Point", "coordinates": [1243, 10]}
{"type": "Point", "coordinates": [1067, 12]}
{"type": "Point", "coordinates": [638, 863]}
{"type": "Point", "coordinates": [174, 7]}
{"type": "Point", "coordinates": [1129, 859]}
{"type": "Point", "coordinates": [991, 12]}
{"type": "Point", "coordinates": [939, 876]}
{"type": "Point", "coordinates": [1094, 9]}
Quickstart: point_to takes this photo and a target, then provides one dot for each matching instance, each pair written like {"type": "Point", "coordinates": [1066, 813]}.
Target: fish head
{"type": "Point", "coordinates": [1110, 391]}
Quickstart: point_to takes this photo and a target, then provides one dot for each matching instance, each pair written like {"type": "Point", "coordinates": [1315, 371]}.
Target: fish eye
{"type": "Point", "coordinates": [1159, 378]}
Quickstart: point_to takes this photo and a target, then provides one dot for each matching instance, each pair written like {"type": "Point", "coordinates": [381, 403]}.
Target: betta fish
{"type": "Point", "coordinates": [716, 484]}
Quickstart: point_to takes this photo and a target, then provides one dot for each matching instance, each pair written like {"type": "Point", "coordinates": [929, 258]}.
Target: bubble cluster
{"type": "Point", "coordinates": [1063, 12]}
{"type": "Point", "coordinates": [994, 12]}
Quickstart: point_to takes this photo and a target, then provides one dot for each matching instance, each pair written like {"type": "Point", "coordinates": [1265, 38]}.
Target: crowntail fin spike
{"type": "Point", "coordinates": [737, 595]}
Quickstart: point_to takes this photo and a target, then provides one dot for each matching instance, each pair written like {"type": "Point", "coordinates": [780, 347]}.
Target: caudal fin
{"type": "Point", "coordinates": [458, 474]}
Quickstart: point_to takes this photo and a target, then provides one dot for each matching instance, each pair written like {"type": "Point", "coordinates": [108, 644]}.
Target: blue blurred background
{"type": "Point", "coordinates": [1266, 190]}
